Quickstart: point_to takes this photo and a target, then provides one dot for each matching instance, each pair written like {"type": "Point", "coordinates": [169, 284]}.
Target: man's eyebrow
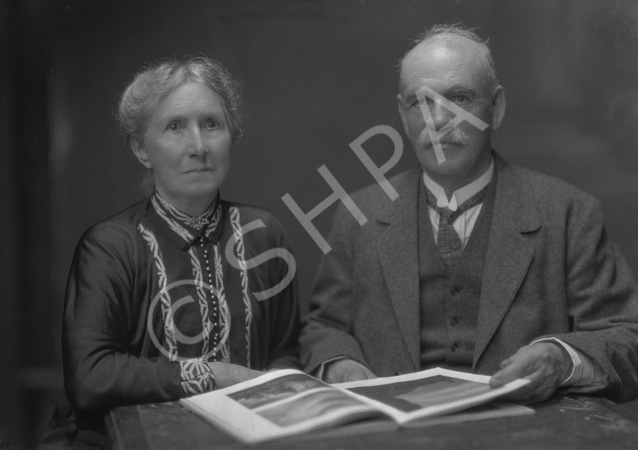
{"type": "Point", "coordinates": [448, 89]}
{"type": "Point", "coordinates": [462, 89]}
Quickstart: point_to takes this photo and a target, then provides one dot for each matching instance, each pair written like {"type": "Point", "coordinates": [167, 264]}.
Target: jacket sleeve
{"type": "Point", "coordinates": [327, 329]}
{"type": "Point", "coordinates": [602, 304]}
{"type": "Point", "coordinates": [101, 307]}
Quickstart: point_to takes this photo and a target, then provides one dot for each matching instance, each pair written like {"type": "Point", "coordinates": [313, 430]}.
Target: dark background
{"type": "Point", "coordinates": [315, 75]}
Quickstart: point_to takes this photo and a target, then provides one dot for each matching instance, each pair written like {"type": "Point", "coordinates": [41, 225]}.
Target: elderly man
{"type": "Point", "coordinates": [478, 265]}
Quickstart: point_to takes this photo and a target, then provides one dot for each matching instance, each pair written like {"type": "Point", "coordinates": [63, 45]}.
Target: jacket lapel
{"type": "Point", "coordinates": [397, 251]}
{"type": "Point", "coordinates": [508, 253]}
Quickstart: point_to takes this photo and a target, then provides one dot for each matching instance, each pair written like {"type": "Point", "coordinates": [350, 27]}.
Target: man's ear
{"type": "Point", "coordinates": [140, 153]}
{"type": "Point", "coordinates": [498, 108]}
{"type": "Point", "coordinates": [404, 119]}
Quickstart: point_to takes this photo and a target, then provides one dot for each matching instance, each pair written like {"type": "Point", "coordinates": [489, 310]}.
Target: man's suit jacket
{"type": "Point", "coordinates": [550, 270]}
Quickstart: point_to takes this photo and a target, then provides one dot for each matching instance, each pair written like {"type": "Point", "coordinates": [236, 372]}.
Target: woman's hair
{"type": "Point", "coordinates": [154, 83]}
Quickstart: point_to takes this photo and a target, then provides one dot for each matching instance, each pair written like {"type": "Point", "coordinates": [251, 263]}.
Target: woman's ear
{"type": "Point", "coordinates": [140, 153]}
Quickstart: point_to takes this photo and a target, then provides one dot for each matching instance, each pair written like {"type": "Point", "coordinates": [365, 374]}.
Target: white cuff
{"type": "Point", "coordinates": [582, 367]}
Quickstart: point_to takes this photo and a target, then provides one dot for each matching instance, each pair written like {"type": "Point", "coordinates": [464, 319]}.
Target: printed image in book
{"type": "Point", "coordinates": [290, 402]}
{"type": "Point", "coordinates": [413, 395]}
{"type": "Point", "coordinates": [293, 399]}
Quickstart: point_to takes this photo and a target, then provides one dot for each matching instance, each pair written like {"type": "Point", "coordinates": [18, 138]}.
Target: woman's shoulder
{"type": "Point", "coordinates": [249, 213]}
{"type": "Point", "coordinates": [254, 219]}
{"type": "Point", "coordinates": [121, 226]}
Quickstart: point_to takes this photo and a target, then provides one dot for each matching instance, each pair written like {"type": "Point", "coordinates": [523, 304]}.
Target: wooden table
{"type": "Point", "coordinates": [574, 423]}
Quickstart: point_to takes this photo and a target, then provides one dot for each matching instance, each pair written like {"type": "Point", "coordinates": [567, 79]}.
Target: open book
{"type": "Point", "coordinates": [289, 402]}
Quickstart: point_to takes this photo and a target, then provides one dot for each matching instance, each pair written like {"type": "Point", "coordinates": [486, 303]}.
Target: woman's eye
{"type": "Point", "coordinates": [211, 123]}
{"type": "Point", "coordinates": [173, 126]}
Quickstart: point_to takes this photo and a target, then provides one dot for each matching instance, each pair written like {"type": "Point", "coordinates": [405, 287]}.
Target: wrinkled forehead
{"type": "Point", "coordinates": [443, 61]}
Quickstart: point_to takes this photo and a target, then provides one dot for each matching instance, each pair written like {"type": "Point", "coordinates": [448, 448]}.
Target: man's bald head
{"type": "Point", "coordinates": [462, 39]}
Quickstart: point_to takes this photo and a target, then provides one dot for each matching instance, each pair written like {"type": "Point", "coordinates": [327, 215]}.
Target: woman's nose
{"type": "Point", "coordinates": [196, 146]}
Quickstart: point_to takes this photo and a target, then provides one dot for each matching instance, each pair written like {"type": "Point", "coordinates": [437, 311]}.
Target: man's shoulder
{"type": "Point", "coordinates": [544, 188]}
{"type": "Point", "coordinates": [374, 199]}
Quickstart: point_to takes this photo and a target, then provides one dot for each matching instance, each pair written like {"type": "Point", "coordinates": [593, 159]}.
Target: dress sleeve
{"type": "Point", "coordinates": [104, 302]}
{"type": "Point", "coordinates": [281, 305]}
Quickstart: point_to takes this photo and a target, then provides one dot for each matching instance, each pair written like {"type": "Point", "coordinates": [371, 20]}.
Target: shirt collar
{"type": "Point", "coordinates": [460, 195]}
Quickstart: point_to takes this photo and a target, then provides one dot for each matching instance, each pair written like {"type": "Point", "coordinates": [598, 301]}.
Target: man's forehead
{"type": "Point", "coordinates": [442, 61]}
{"type": "Point", "coordinates": [441, 50]}
{"type": "Point", "coordinates": [420, 86]}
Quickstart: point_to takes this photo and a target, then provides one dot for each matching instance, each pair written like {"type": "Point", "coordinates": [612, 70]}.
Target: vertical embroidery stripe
{"type": "Point", "coordinates": [239, 253]}
{"type": "Point", "coordinates": [167, 311]}
{"type": "Point", "coordinates": [224, 313]}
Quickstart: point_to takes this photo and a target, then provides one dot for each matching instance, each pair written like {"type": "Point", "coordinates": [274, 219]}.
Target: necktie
{"type": "Point", "coordinates": [448, 242]}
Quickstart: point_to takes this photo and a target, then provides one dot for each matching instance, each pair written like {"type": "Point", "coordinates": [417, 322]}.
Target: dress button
{"type": "Point", "coordinates": [454, 291]}
{"type": "Point", "coordinates": [454, 322]}
{"type": "Point", "coordinates": [454, 347]}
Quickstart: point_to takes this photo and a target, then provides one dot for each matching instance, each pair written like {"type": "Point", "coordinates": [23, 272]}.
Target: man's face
{"type": "Point", "coordinates": [453, 68]}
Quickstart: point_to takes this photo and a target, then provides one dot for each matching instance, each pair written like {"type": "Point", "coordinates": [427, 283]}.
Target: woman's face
{"type": "Point", "coordinates": [187, 147]}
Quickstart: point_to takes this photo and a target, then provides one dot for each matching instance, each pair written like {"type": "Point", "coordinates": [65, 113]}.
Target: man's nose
{"type": "Point", "coordinates": [440, 114]}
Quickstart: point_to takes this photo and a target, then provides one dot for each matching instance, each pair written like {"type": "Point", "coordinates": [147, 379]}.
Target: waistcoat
{"type": "Point", "coordinates": [449, 302]}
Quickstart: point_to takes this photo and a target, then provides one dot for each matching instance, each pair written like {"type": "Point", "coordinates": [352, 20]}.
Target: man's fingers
{"type": "Point", "coordinates": [505, 363]}
{"type": "Point", "coordinates": [498, 378]}
{"type": "Point", "coordinates": [511, 370]}
{"type": "Point", "coordinates": [345, 370]}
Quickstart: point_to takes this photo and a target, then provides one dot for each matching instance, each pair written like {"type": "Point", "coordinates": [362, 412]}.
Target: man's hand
{"type": "Point", "coordinates": [543, 363]}
{"type": "Point", "coordinates": [344, 370]}
{"type": "Point", "coordinates": [227, 374]}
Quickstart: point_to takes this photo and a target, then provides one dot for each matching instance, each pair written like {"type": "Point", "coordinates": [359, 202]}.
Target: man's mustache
{"type": "Point", "coordinates": [455, 136]}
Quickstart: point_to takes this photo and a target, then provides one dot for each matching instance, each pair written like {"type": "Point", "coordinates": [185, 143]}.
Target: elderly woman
{"type": "Point", "coordinates": [183, 292]}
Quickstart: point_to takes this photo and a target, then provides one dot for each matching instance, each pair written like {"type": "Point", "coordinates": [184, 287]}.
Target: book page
{"type": "Point", "coordinates": [427, 393]}
{"type": "Point", "coordinates": [278, 404]}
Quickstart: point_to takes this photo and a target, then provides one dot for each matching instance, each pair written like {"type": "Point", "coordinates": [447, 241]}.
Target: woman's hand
{"type": "Point", "coordinates": [227, 374]}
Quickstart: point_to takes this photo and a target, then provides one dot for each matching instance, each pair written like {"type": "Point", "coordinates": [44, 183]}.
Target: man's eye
{"type": "Point", "coordinates": [419, 101]}
{"type": "Point", "coordinates": [460, 99]}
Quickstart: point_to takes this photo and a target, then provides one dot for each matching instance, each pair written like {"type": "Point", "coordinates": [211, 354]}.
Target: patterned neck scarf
{"type": "Point", "coordinates": [188, 227]}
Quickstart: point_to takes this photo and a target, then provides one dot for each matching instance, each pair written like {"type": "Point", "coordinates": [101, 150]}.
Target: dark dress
{"type": "Point", "coordinates": [153, 295]}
